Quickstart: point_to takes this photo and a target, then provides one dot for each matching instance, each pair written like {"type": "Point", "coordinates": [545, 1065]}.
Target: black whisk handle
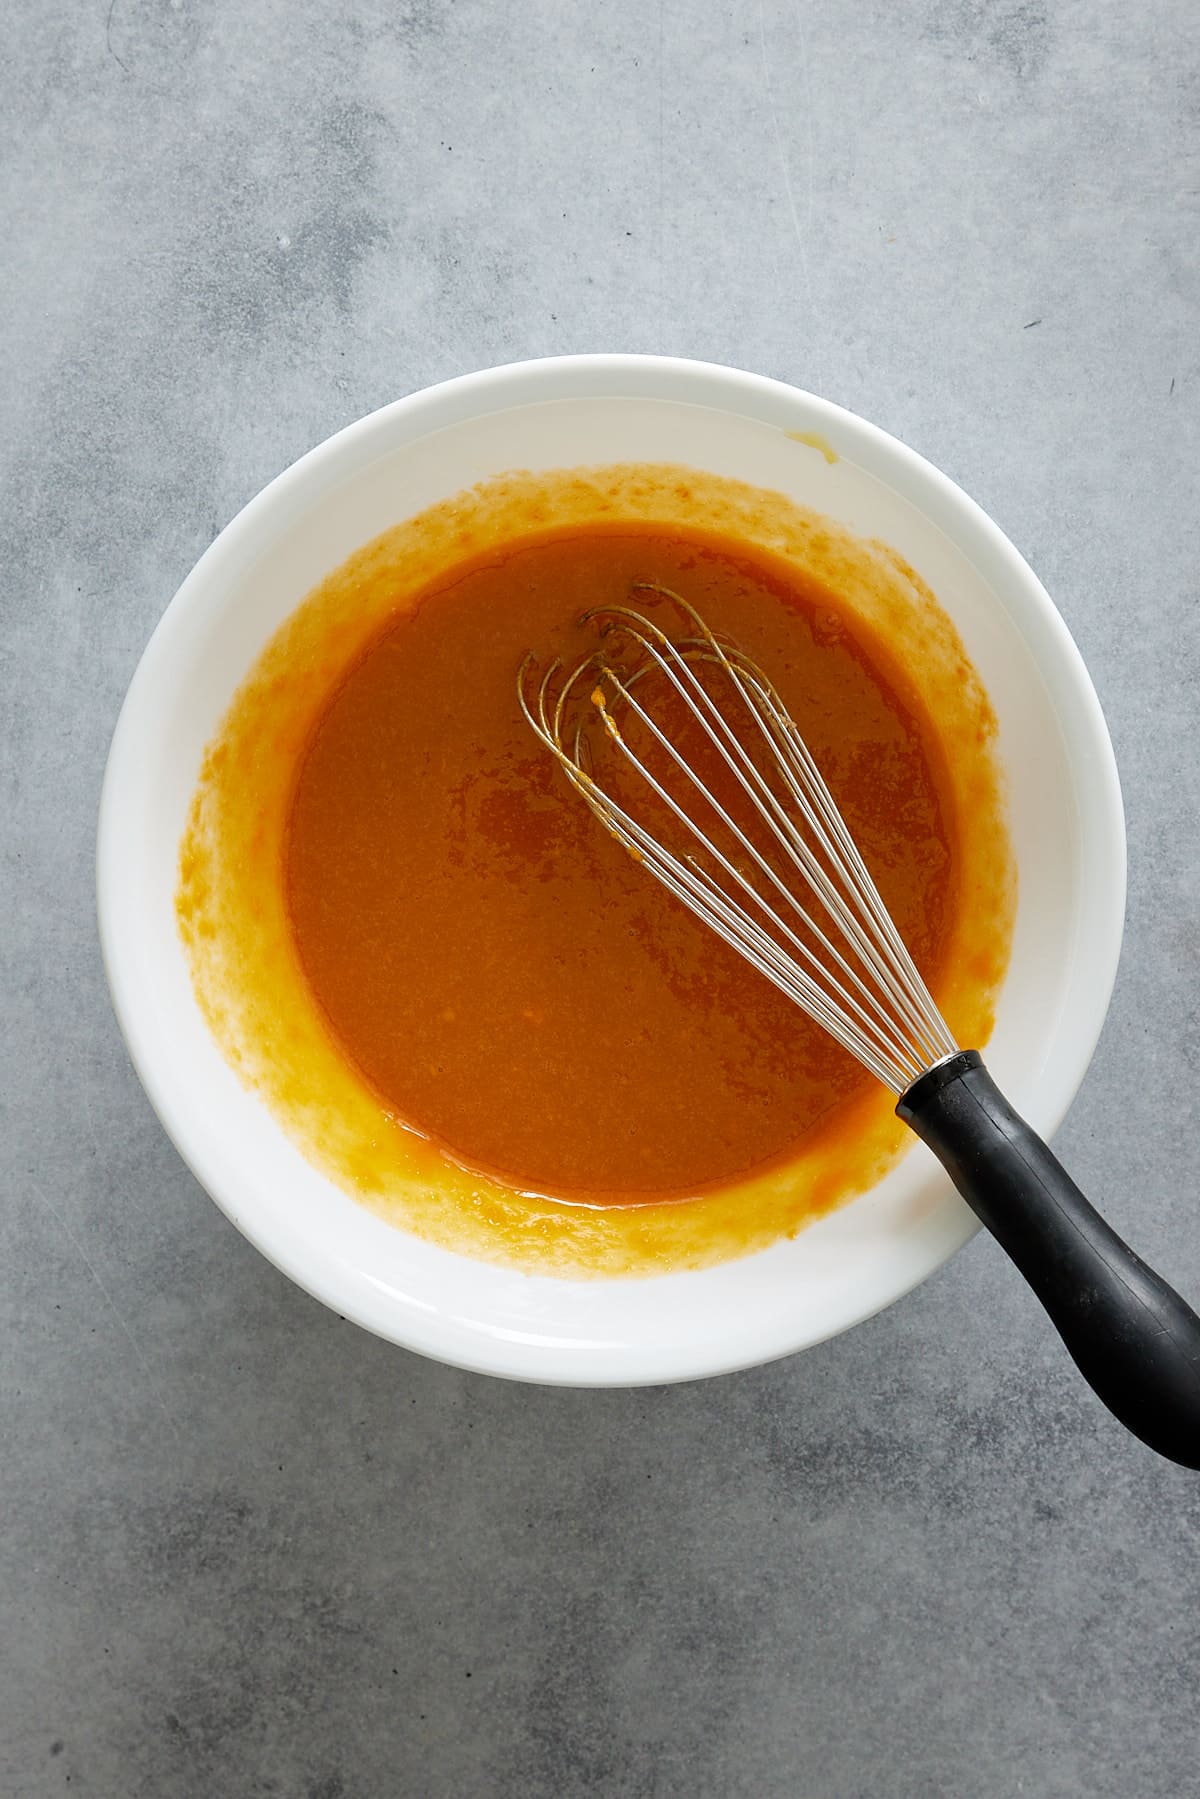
{"type": "Point", "coordinates": [1132, 1337]}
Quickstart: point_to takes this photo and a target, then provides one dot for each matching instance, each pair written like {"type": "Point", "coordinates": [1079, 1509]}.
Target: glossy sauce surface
{"type": "Point", "coordinates": [500, 972]}
{"type": "Point", "coordinates": [245, 943]}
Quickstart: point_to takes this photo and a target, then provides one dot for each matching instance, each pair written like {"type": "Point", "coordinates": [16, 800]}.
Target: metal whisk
{"type": "Point", "coordinates": [745, 832]}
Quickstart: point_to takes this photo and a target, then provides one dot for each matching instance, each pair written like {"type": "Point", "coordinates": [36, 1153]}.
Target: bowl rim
{"type": "Point", "coordinates": [640, 377]}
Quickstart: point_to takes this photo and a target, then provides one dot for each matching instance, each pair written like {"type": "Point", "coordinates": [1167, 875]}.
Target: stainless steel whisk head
{"type": "Point", "coordinates": [768, 863]}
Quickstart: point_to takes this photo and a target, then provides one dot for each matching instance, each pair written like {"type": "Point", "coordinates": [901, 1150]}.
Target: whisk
{"type": "Point", "coordinates": [745, 832]}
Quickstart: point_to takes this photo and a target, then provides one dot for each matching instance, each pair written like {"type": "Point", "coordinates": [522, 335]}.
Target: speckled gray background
{"type": "Point", "coordinates": [248, 1549]}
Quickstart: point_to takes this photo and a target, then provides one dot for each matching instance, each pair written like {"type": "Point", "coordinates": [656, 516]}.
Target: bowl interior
{"type": "Point", "coordinates": [1065, 821]}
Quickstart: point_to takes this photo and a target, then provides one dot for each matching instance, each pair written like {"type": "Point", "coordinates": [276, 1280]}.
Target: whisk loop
{"type": "Point", "coordinates": [827, 940]}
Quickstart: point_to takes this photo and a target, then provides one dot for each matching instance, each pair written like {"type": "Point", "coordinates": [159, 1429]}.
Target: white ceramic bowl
{"type": "Point", "coordinates": [1066, 820]}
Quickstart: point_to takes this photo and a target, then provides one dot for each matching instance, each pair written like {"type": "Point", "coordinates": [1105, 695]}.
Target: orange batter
{"type": "Point", "coordinates": [459, 998]}
{"type": "Point", "coordinates": [507, 979]}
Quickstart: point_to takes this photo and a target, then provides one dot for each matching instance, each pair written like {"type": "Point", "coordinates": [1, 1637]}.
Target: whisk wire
{"type": "Point", "coordinates": [705, 897]}
{"type": "Point", "coordinates": [881, 1010]}
{"type": "Point", "coordinates": [881, 1026]}
{"type": "Point", "coordinates": [783, 738]}
{"type": "Point", "coordinates": [762, 703]}
{"type": "Point", "coordinates": [887, 951]}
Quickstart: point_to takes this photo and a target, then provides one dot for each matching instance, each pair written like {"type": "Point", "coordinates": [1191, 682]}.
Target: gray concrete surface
{"type": "Point", "coordinates": [246, 1548]}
